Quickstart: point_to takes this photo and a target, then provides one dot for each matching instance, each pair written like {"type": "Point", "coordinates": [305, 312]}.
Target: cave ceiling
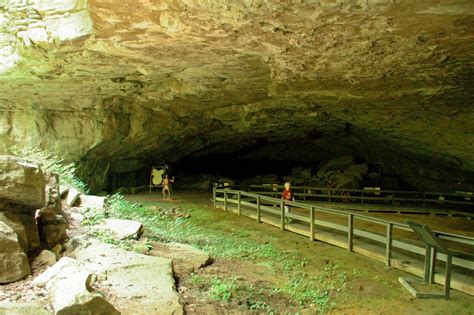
{"type": "Point", "coordinates": [99, 80]}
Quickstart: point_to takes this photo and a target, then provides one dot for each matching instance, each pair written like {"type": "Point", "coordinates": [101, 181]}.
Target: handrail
{"type": "Point", "coordinates": [374, 195]}
{"type": "Point", "coordinates": [268, 205]}
{"type": "Point", "coordinates": [341, 212]}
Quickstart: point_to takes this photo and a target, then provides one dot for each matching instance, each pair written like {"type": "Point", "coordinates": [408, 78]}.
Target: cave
{"type": "Point", "coordinates": [116, 89]}
{"type": "Point", "coordinates": [326, 94]}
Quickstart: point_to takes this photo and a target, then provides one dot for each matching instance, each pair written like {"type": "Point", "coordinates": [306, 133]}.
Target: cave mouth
{"type": "Point", "coordinates": [234, 166]}
{"type": "Point", "coordinates": [303, 164]}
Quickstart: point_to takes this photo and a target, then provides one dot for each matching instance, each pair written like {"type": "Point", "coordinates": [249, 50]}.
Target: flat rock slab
{"type": "Point", "coordinates": [68, 283]}
{"type": "Point", "coordinates": [134, 283]}
{"type": "Point", "coordinates": [31, 308]}
{"type": "Point", "coordinates": [123, 228]}
{"type": "Point", "coordinates": [72, 196]}
{"type": "Point", "coordinates": [186, 258]}
{"type": "Point", "coordinates": [91, 201]}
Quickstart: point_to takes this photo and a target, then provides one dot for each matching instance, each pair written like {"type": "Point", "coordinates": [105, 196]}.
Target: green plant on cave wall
{"type": "Point", "coordinates": [51, 163]}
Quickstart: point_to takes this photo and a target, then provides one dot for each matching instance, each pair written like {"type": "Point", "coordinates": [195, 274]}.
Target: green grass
{"type": "Point", "coordinates": [222, 289]}
{"type": "Point", "coordinates": [51, 163]}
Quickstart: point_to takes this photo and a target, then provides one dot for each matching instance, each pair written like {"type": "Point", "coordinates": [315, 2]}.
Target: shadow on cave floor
{"type": "Point", "coordinates": [362, 285]}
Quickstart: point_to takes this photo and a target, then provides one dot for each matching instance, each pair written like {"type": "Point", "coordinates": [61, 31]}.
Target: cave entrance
{"type": "Point", "coordinates": [231, 165]}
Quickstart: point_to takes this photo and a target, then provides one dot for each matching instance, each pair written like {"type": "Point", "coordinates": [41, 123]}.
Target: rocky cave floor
{"type": "Point", "coordinates": [237, 280]}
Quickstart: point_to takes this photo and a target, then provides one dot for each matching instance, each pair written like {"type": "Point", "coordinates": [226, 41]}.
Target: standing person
{"type": "Point", "coordinates": [287, 195]}
{"type": "Point", "coordinates": [166, 183]}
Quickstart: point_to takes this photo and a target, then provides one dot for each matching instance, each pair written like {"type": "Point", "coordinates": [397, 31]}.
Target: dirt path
{"type": "Point", "coordinates": [367, 286]}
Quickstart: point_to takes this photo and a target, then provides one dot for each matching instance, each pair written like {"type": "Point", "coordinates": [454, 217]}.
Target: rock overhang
{"type": "Point", "coordinates": [166, 80]}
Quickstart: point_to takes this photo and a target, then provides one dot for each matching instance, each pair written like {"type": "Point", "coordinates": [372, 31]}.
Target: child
{"type": "Point", "coordinates": [287, 195]}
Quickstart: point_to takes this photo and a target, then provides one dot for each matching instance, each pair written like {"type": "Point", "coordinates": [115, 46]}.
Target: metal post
{"type": "Point", "coordinates": [311, 224]}
{"type": "Point", "coordinates": [239, 200]}
{"type": "Point", "coordinates": [350, 231]}
{"type": "Point", "coordinates": [424, 199]}
{"type": "Point", "coordinates": [362, 199]}
{"type": "Point", "coordinates": [282, 222]}
{"type": "Point", "coordinates": [258, 209]}
{"type": "Point", "coordinates": [225, 199]}
{"type": "Point", "coordinates": [388, 245]}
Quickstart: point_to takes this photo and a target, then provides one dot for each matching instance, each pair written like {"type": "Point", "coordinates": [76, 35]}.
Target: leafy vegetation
{"type": "Point", "coordinates": [51, 163]}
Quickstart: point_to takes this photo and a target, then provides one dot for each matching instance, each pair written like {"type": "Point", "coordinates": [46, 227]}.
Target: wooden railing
{"type": "Point", "coordinates": [464, 201]}
{"type": "Point", "coordinates": [322, 223]}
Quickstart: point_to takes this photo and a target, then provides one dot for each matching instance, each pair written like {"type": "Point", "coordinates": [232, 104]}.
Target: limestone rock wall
{"type": "Point", "coordinates": [108, 85]}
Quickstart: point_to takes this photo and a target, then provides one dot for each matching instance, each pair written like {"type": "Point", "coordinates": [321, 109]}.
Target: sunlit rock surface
{"type": "Point", "coordinates": [114, 86]}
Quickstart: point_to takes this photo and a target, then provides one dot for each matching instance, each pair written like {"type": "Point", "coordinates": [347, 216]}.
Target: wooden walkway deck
{"type": "Point", "coordinates": [389, 241]}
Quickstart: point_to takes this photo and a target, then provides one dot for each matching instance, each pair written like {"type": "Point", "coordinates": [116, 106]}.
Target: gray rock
{"type": "Point", "coordinates": [30, 308]}
{"type": "Point", "coordinates": [21, 182]}
{"type": "Point", "coordinates": [63, 266]}
{"type": "Point", "coordinates": [46, 258]}
{"type": "Point", "coordinates": [123, 228]}
{"type": "Point", "coordinates": [72, 197]}
{"type": "Point", "coordinates": [57, 251]}
{"type": "Point", "coordinates": [68, 283]}
{"type": "Point", "coordinates": [15, 224]}
{"type": "Point", "coordinates": [126, 272]}
{"type": "Point", "coordinates": [71, 293]}
{"type": "Point", "coordinates": [13, 261]}
{"type": "Point", "coordinates": [53, 227]}
{"type": "Point", "coordinates": [186, 258]}
{"type": "Point", "coordinates": [94, 202]}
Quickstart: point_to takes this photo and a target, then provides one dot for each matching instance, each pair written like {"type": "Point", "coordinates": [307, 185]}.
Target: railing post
{"type": "Point", "coordinates": [427, 263]}
{"type": "Point", "coordinates": [225, 199]}
{"type": "Point", "coordinates": [258, 209]}
{"type": "Point", "coordinates": [362, 199]}
{"type": "Point", "coordinates": [388, 245]}
{"type": "Point", "coordinates": [424, 199]}
{"type": "Point", "coordinates": [214, 194]}
{"type": "Point", "coordinates": [311, 224]}
{"type": "Point", "coordinates": [282, 222]}
{"type": "Point", "coordinates": [239, 200]}
{"type": "Point", "coordinates": [350, 231]}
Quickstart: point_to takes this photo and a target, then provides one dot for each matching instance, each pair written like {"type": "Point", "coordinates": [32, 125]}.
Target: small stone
{"type": "Point", "coordinates": [46, 258]}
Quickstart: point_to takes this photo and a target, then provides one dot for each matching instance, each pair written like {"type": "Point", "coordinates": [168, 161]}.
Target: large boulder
{"type": "Point", "coordinates": [52, 227]}
{"type": "Point", "coordinates": [13, 261]}
{"type": "Point", "coordinates": [22, 192]}
{"type": "Point", "coordinates": [21, 182]}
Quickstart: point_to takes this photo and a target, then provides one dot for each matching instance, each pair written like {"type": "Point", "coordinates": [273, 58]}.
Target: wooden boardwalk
{"type": "Point", "coordinates": [389, 241]}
